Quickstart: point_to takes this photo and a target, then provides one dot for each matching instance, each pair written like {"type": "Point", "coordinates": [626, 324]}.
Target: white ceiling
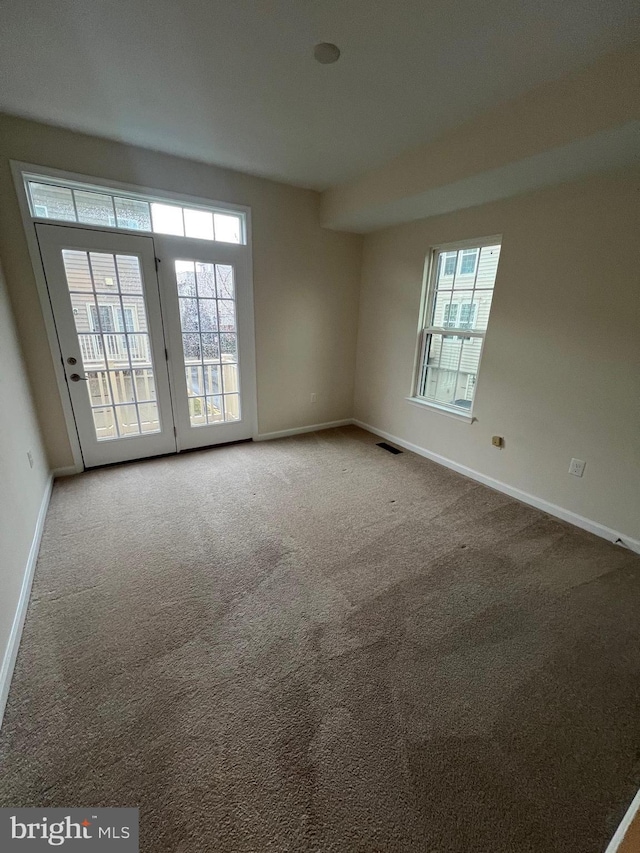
{"type": "Point", "coordinates": [234, 82]}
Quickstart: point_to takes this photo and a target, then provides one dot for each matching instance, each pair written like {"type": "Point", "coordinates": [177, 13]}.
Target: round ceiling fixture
{"type": "Point", "coordinates": [326, 53]}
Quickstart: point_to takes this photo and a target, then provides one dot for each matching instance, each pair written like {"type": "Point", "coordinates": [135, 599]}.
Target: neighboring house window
{"type": "Point", "coordinates": [449, 263]}
{"type": "Point", "coordinates": [468, 261]}
{"type": "Point", "coordinates": [460, 291]}
{"type": "Point", "coordinates": [459, 316]}
{"type": "Point", "coordinates": [111, 319]}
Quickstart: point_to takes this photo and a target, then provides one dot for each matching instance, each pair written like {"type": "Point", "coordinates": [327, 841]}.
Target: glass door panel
{"type": "Point", "coordinates": [208, 309]}
{"type": "Point", "coordinates": [104, 294]}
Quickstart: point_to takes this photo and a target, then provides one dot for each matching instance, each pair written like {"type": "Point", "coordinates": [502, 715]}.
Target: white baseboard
{"type": "Point", "coordinates": [525, 497]}
{"type": "Point", "coordinates": [11, 652]}
{"type": "Point", "coordinates": [627, 820]}
{"type": "Point", "coordinates": [67, 472]}
{"type": "Point", "coordinates": [267, 436]}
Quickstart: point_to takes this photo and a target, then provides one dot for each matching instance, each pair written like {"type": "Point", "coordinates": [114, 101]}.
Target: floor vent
{"type": "Point", "coordinates": [385, 446]}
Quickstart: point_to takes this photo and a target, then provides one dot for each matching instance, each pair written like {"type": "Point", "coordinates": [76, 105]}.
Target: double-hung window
{"type": "Point", "coordinates": [460, 286]}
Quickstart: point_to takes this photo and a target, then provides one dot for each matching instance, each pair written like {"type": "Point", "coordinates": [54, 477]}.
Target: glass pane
{"type": "Point", "coordinates": [224, 278]}
{"type": "Point", "coordinates": [195, 385]}
{"type": "Point", "coordinates": [122, 386]}
{"type": "Point", "coordinates": [229, 347]}
{"type": "Point", "coordinates": [450, 352]}
{"type": "Point", "coordinates": [91, 351]}
{"type": "Point", "coordinates": [139, 348]}
{"type": "Point", "coordinates": [94, 208]}
{"type": "Point", "coordinates": [206, 280]}
{"type": "Point", "coordinates": [208, 315]}
{"type": "Point", "coordinates": [232, 407]}
{"type": "Point", "coordinates": [189, 314]}
{"type": "Point", "coordinates": [191, 347]}
{"type": "Point", "coordinates": [441, 385]}
{"type": "Point", "coordinates": [127, 418]}
{"type": "Point", "coordinates": [487, 267]}
{"type": "Point", "coordinates": [131, 316]}
{"type": "Point", "coordinates": [470, 357]}
{"type": "Point", "coordinates": [210, 348]}
{"type": "Point", "coordinates": [129, 273]}
{"type": "Point", "coordinates": [145, 384]}
{"type": "Point", "coordinates": [468, 261]}
{"type": "Point", "coordinates": [442, 313]}
{"type": "Point", "coordinates": [52, 202]}
{"type": "Point", "coordinates": [84, 310]}
{"type": "Point", "coordinates": [230, 376]}
{"type": "Point", "coordinates": [186, 278]}
{"type": "Point", "coordinates": [99, 389]}
{"type": "Point", "coordinates": [105, 423]}
{"type": "Point", "coordinates": [212, 379]}
{"type": "Point", "coordinates": [197, 411]}
{"type": "Point", "coordinates": [469, 362]}
{"type": "Point", "coordinates": [198, 223]}
{"type": "Point", "coordinates": [167, 219]}
{"type": "Point", "coordinates": [227, 228]}
{"type": "Point", "coordinates": [149, 418]}
{"type": "Point", "coordinates": [446, 270]}
{"type": "Point", "coordinates": [227, 314]}
{"type": "Point", "coordinates": [133, 214]}
{"type": "Point", "coordinates": [215, 412]}
{"type": "Point", "coordinates": [103, 268]}
{"type": "Point", "coordinates": [76, 267]}
{"type": "Point", "coordinates": [116, 351]}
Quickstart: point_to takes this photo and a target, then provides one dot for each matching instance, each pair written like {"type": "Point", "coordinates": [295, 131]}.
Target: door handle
{"type": "Point", "coordinates": [75, 377]}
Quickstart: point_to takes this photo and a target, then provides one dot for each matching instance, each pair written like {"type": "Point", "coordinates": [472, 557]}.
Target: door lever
{"type": "Point", "coordinates": [75, 377]}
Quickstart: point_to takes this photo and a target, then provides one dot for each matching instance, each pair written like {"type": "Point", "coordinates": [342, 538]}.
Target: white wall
{"type": "Point", "coordinates": [306, 279]}
{"type": "Point", "coordinates": [22, 488]}
{"type": "Point", "coordinates": [586, 120]}
{"type": "Point", "coordinates": [560, 375]}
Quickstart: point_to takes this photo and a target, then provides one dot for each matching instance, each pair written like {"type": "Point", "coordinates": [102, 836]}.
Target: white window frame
{"type": "Point", "coordinates": [21, 170]}
{"type": "Point", "coordinates": [113, 190]}
{"type": "Point", "coordinates": [425, 329]}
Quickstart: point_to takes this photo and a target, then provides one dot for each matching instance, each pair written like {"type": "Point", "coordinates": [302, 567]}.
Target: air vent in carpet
{"type": "Point", "coordinates": [385, 446]}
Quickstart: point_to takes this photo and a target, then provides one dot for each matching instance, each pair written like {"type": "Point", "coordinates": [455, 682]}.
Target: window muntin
{"type": "Point", "coordinates": [53, 199]}
{"type": "Point", "coordinates": [460, 292]}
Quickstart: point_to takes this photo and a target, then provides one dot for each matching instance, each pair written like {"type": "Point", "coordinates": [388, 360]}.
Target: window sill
{"type": "Point", "coordinates": [443, 410]}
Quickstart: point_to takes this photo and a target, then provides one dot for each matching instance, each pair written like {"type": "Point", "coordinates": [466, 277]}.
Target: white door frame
{"type": "Point", "coordinates": [18, 168]}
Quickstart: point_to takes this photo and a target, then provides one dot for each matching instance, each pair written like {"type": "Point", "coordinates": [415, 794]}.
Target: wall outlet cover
{"type": "Point", "coordinates": [577, 467]}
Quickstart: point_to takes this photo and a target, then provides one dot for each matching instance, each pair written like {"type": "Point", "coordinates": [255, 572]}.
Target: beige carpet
{"type": "Point", "coordinates": [313, 645]}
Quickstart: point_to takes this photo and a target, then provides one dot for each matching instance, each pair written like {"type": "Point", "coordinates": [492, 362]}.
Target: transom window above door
{"type": "Point", "coordinates": [69, 201]}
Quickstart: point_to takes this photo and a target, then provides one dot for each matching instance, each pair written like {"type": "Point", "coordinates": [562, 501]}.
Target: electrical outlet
{"type": "Point", "coordinates": [497, 441]}
{"type": "Point", "coordinates": [577, 467]}
{"type": "Point", "coordinates": [314, 397]}
{"type": "Point", "coordinates": [30, 458]}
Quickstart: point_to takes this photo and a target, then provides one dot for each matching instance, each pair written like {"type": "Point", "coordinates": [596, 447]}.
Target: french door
{"type": "Point", "coordinates": [153, 366]}
{"type": "Point", "coordinates": [208, 313]}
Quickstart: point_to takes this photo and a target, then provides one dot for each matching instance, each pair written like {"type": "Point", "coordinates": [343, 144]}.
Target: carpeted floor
{"type": "Point", "coordinates": [313, 645]}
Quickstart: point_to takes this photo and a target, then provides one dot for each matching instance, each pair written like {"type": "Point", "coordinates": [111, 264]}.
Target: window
{"type": "Point", "coordinates": [111, 319]}
{"type": "Point", "coordinates": [449, 263]}
{"type": "Point", "coordinates": [53, 198]}
{"type": "Point", "coordinates": [465, 262]}
{"type": "Point", "coordinates": [468, 260]}
{"type": "Point", "coordinates": [460, 290]}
